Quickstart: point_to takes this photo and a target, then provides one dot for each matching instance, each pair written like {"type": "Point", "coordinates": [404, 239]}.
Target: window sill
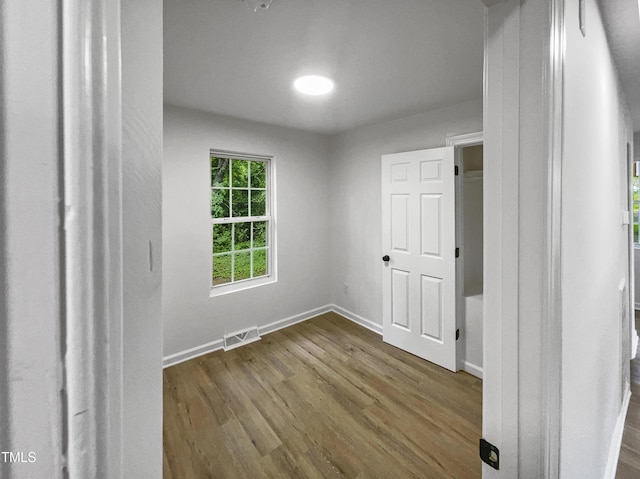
{"type": "Point", "coordinates": [241, 286]}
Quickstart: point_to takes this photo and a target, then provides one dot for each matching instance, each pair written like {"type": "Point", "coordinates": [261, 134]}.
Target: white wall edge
{"type": "Point", "coordinates": [472, 369]}
{"type": "Point", "coordinates": [634, 344]}
{"type": "Point", "coordinates": [365, 323]}
{"type": "Point", "coordinates": [616, 439]}
{"type": "Point", "coordinates": [92, 228]}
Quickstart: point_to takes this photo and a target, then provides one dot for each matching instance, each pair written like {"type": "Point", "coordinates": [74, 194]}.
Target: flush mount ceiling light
{"type": "Point", "coordinates": [313, 85]}
{"type": "Point", "coordinates": [256, 5]}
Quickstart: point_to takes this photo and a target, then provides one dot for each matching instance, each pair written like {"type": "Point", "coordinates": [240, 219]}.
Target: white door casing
{"type": "Point", "coordinates": [418, 234]}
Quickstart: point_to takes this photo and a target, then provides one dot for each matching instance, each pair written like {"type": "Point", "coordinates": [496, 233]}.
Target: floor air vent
{"type": "Point", "coordinates": [233, 340]}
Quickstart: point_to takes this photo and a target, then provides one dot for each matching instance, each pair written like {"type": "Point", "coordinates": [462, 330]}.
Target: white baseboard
{"type": "Point", "coordinates": [634, 344]}
{"type": "Point", "coordinates": [212, 346]}
{"type": "Point", "coordinates": [637, 306]}
{"type": "Point", "coordinates": [616, 439]}
{"type": "Point", "coordinates": [291, 320]}
{"type": "Point", "coordinates": [191, 353]}
{"type": "Point", "coordinates": [216, 345]}
{"type": "Point", "coordinates": [472, 369]}
{"type": "Point", "coordinates": [370, 325]}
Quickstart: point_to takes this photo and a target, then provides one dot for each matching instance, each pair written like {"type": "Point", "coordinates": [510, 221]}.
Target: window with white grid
{"type": "Point", "coordinates": [241, 220]}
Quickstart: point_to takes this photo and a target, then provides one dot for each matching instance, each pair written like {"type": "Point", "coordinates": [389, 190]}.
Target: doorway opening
{"type": "Point", "coordinates": [633, 199]}
{"type": "Point", "coordinates": [469, 238]}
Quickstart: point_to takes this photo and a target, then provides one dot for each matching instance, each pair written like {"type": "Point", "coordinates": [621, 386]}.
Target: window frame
{"type": "Point", "coordinates": [268, 217]}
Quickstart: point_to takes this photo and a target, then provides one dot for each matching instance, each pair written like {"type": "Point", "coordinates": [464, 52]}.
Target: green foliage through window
{"type": "Point", "coordinates": [240, 218]}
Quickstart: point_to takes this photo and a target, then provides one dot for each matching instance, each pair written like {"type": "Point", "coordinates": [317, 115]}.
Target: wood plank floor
{"type": "Point", "coordinates": [321, 399]}
{"type": "Point", "coordinates": [629, 460]}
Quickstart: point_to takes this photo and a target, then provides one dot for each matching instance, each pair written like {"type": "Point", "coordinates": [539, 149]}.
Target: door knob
{"type": "Point", "coordinates": [386, 258]}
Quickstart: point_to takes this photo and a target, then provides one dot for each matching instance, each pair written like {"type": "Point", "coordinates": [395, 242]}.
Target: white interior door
{"type": "Point", "coordinates": [418, 236]}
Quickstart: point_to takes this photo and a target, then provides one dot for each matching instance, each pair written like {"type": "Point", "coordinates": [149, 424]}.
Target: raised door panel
{"type": "Point", "coordinates": [399, 223]}
{"type": "Point", "coordinates": [400, 173]}
{"type": "Point", "coordinates": [431, 225]}
{"type": "Point", "coordinates": [431, 307]}
{"type": "Point", "coordinates": [431, 171]}
{"type": "Point", "coordinates": [400, 298]}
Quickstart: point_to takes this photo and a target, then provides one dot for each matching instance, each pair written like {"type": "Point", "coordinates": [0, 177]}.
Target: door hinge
{"type": "Point", "coordinates": [455, 170]}
{"type": "Point", "coordinates": [490, 454]}
{"type": "Point", "coordinates": [457, 334]}
{"type": "Point", "coordinates": [457, 252]}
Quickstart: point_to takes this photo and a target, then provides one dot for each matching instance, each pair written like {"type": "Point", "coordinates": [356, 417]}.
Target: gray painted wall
{"type": "Point", "coordinates": [594, 247]}
{"type": "Point", "coordinates": [193, 318]}
{"type": "Point", "coordinates": [356, 235]}
{"type": "Point", "coordinates": [142, 227]}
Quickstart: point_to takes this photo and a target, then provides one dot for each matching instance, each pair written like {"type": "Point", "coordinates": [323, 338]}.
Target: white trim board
{"type": "Point", "coordinates": [91, 173]}
{"type": "Point", "coordinates": [468, 139]}
{"type": "Point", "coordinates": [616, 439]}
{"type": "Point", "coordinates": [191, 353]}
{"type": "Point", "coordinates": [472, 369]}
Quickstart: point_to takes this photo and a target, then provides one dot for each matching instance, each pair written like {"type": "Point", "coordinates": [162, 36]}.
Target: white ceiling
{"type": "Point", "coordinates": [623, 30]}
{"type": "Point", "coordinates": [389, 58]}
